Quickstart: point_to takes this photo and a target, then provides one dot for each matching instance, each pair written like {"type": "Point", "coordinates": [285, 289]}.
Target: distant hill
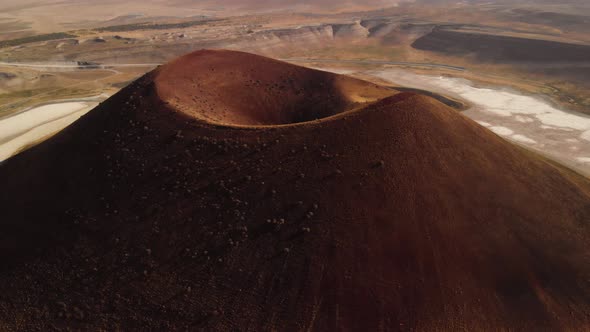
{"type": "Point", "coordinates": [495, 48]}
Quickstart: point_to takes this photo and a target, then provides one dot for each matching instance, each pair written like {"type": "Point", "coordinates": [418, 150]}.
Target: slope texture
{"type": "Point", "coordinates": [402, 215]}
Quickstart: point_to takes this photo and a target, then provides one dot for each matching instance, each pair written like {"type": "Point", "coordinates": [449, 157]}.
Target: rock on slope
{"type": "Point", "coordinates": [177, 205]}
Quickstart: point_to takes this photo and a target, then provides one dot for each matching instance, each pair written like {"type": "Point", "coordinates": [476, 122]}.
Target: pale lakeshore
{"type": "Point", "coordinates": [37, 124]}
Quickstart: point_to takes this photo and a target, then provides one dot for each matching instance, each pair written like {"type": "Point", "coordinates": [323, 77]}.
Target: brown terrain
{"type": "Point", "coordinates": [261, 91]}
{"type": "Point", "coordinates": [188, 201]}
{"type": "Point", "coordinates": [534, 47]}
{"type": "Point", "coordinates": [487, 47]}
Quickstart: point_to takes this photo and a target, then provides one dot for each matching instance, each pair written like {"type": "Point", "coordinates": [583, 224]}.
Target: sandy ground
{"type": "Point", "coordinates": [38, 123]}
{"type": "Point", "coordinates": [527, 120]}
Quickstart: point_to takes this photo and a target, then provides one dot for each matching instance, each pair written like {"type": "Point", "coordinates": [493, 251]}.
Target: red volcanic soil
{"type": "Point", "coordinates": [400, 215]}
{"type": "Point", "coordinates": [220, 87]}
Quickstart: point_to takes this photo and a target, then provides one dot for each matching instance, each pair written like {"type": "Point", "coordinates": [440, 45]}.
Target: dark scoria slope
{"type": "Point", "coordinates": [402, 215]}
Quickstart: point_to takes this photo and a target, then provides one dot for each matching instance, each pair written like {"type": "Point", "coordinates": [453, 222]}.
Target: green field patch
{"type": "Point", "coordinates": [154, 26]}
{"type": "Point", "coordinates": [34, 39]}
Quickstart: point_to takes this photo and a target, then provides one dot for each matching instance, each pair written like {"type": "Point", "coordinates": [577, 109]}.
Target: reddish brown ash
{"type": "Point", "coordinates": [197, 199]}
